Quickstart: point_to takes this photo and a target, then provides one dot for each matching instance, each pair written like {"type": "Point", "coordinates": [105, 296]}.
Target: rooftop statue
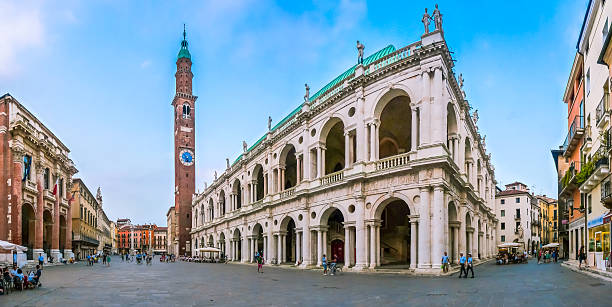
{"type": "Point", "coordinates": [360, 48]}
{"type": "Point", "coordinates": [244, 146]}
{"type": "Point", "coordinates": [269, 123]}
{"type": "Point", "coordinates": [475, 117]}
{"type": "Point", "coordinates": [425, 21]}
{"type": "Point", "coordinates": [307, 95]}
{"type": "Point", "coordinates": [437, 18]}
{"type": "Point", "coordinates": [227, 163]}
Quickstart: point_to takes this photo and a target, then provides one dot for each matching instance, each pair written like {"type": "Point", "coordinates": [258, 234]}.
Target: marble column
{"type": "Point", "coordinates": [40, 207]}
{"type": "Point", "coordinates": [323, 149]}
{"type": "Point", "coordinates": [424, 240]}
{"type": "Point", "coordinates": [347, 246]}
{"type": "Point", "coordinates": [352, 248]}
{"type": "Point", "coordinates": [319, 246]}
{"type": "Point", "coordinates": [413, 242]}
{"type": "Point", "coordinates": [373, 251]}
{"type": "Point", "coordinates": [282, 182]}
{"type": "Point", "coordinates": [360, 234]}
{"type": "Point", "coordinates": [437, 227]}
{"type": "Point", "coordinates": [265, 184]}
{"type": "Point", "coordinates": [15, 200]}
{"type": "Point", "coordinates": [319, 174]}
{"type": "Point", "coordinates": [299, 169]}
{"type": "Point", "coordinates": [325, 245]}
{"type": "Point", "coordinates": [456, 244]}
{"type": "Point", "coordinates": [298, 247]}
{"type": "Point", "coordinates": [279, 249]}
{"type": "Point", "coordinates": [55, 252]}
{"type": "Point", "coordinates": [413, 130]}
{"type": "Point", "coordinates": [306, 241]}
{"type": "Point", "coordinates": [373, 137]}
{"type": "Point", "coordinates": [347, 161]}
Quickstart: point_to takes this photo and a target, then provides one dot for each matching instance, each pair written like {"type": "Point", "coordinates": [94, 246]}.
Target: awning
{"type": "Point", "coordinates": [510, 244]}
{"type": "Point", "coordinates": [549, 245]}
{"type": "Point", "coordinates": [4, 245]}
{"type": "Point", "coordinates": [209, 250]}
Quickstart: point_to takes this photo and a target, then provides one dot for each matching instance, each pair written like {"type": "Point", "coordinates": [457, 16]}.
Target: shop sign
{"type": "Point", "coordinates": [596, 221]}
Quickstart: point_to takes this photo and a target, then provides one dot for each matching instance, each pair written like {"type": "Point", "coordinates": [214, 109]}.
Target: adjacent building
{"type": "Point", "coordinates": [583, 160]}
{"type": "Point", "coordinates": [134, 238]}
{"type": "Point", "coordinates": [160, 240]}
{"type": "Point", "coordinates": [35, 174]}
{"type": "Point", "coordinates": [384, 165]}
{"type": "Point", "coordinates": [549, 220]}
{"type": "Point", "coordinates": [172, 243]}
{"type": "Point", "coordinates": [518, 212]}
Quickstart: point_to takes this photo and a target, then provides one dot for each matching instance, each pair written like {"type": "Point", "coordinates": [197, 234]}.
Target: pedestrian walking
{"type": "Point", "coordinates": [104, 259]}
{"type": "Point", "coordinates": [470, 266]}
{"type": "Point", "coordinates": [324, 263]}
{"type": "Point", "coordinates": [462, 261]}
{"type": "Point", "coordinates": [260, 262]}
{"type": "Point", "coordinates": [556, 255]}
{"type": "Point", "coordinates": [108, 260]}
{"type": "Point", "coordinates": [539, 256]}
{"type": "Point", "coordinates": [581, 257]}
{"type": "Point", "coordinates": [41, 260]}
{"type": "Point", "coordinates": [445, 263]}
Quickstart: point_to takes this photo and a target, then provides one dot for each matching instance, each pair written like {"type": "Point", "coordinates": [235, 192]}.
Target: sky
{"type": "Point", "coordinates": [100, 75]}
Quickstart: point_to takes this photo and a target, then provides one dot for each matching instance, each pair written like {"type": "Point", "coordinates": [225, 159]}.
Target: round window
{"type": "Point", "coordinates": [351, 208]}
{"type": "Point", "coordinates": [351, 112]}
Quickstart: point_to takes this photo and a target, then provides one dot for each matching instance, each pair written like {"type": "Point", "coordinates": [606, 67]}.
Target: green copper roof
{"type": "Point", "coordinates": [367, 61]}
{"type": "Point", "coordinates": [184, 52]}
{"type": "Point", "coordinates": [381, 53]}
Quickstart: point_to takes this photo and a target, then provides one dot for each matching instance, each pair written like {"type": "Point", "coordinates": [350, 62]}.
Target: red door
{"type": "Point", "coordinates": [337, 249]}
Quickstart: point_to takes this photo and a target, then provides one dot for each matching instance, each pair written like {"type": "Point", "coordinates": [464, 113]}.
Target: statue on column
{"type": "Point", "coordinates": [227, 163]}
{"type": "Point", "coordinates": [269, 123]}
{"type": "Point", "coordinates": [437, 17]}
{"type": "Point", "coordinates": [244, 146]}
{"type": "Point", "coordinates": [307, 95]}
{"type": "Point", "coordinates": [215, 175]}
{"type": "Point", "coordinates": [461, 81]}
{"type": "Point", "coordinates": [425, 21]}
{"type": "Point", "coordinates": [360, 48]}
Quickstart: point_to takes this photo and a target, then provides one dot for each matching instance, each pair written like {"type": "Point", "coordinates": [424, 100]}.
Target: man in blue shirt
{"type": "Point", "coordinates": [41, 259]}
{"type": "Point", "coordinates": [445, 262]}
{"type": "Point", "coordinates": [462, 263]}
{"type": "Point", "coordinates": [470, 266]}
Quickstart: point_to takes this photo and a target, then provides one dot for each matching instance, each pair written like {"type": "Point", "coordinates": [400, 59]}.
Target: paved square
{"type": "Point", "coordinates": [194, 284]}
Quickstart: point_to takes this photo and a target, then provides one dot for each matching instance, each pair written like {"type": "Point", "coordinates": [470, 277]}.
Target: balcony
{"type": "Point", "coordinates": [85, 239]}
{"type": "Point", "coordinates": [30, 186]}
{"type": "Point", "coordinates": [393, 161]}
{"type": "Point", "coordinates": [574, 134]}
{"type": "Point", "coordinates": [602, 112]}
{"type": "Point", "coordinates": [568, 184]}
{"type": "Point", "coordinates": [606, 194]}
{"type": "Point", "coordinates": [333, 177]}
{"type": "Point", "coordinates": [594, 170]}
{"type": "Point", "coordinates": [517, 217]}
{"type": "Point", "coordinates": [287, 193]}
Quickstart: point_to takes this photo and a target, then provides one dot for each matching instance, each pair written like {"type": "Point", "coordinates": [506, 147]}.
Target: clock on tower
{"type": "Point", "coordinates": [184, 146]}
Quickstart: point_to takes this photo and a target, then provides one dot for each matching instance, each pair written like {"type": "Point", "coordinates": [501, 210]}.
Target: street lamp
{"type": "Point", "coordinates": [582, 209]}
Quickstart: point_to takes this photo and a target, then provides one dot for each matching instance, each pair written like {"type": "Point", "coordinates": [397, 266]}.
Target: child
{"type": "Point", "coordinates": [324, 263]}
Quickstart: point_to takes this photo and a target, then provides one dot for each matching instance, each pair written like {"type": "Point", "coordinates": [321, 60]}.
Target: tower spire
{"type": "Point", "coordinates": [184, 51]}
{"type": "Point", "coordinates": [184, 33]}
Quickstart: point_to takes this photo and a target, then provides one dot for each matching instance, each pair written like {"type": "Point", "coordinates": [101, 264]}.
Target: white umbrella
{"type": "Point", "coordinates": [12, 247]}
{"type": "Point", "coordinates": [551, 245]}
{"type": "Point", "coordinates": [209, 250]}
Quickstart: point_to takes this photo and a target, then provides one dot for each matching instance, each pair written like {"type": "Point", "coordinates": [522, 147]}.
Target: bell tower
{"type": "Point", "coordinates": [184, 146]}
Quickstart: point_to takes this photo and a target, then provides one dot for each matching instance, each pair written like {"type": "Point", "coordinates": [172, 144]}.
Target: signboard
{"type": "Point", "coordinates": [596, 221]}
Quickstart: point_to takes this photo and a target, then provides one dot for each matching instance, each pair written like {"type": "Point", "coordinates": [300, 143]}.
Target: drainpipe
{"type": "Point", "coordinates": [586, 205]}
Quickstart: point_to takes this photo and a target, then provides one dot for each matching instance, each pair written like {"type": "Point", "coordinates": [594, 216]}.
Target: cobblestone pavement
{"type": "Point", "coordinates": [194, 284]}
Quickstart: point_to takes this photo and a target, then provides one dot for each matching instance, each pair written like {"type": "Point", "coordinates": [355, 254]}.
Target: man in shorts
{"type": "Point", "coordinates": [260, 262]}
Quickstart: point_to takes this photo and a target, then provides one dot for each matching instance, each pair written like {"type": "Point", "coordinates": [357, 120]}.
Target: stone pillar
{"type": "Point", "coordinates": [298, 247]}
{"type": "Point", "coordinates": [424, 231]}
{"type": "Point", "coordinates": [319, 174]}
{"type": "Point", "coordinates": [347, 148]}
{"type": "Point", "coordinates": [373, 137]}
{"type": "Point", "coordinates": [306, 241]}
{"type": "Point", "coordinates": [360, 234]}
{"type": "Point", "coordinates": [373, 251]}
{"type": "Point", "coordinates": [323, 148]}
{"type": "Point", "coordinates": [279, 249]}
{"type": "Point", "coordinates": [38, 237]}
{"type": "Point", "coordinates": [282, 182]}
{"type": "Point", "coordinates": [425, 110]}
{"type": "Point", "coordinates": [55, 252]}
{"type": "Point", "coordinates": [251, 249]}
{"type": "Point", "coordinates": [299, 170]}
{"type": "Point", "coordinates": [378, 250]}
{"type": "Point", "coordinates": [413, 130]}
{"type": "Point", "coordinates": [319, 246]}
{"type": "Point", "coordinates": [324, 243]}
{"type": "Point", "coordinates": [265, 184]}
{"type": "Point", "coordinates": [15, 200]}
{"type": "Point", "coordinates": [456, 244]}
{"type": "Point", "coordinates": [347, 246]}
{"type": "Point", "coordinates": [437, 227]}
{"type": "Point", "coordinates": [413, 242]}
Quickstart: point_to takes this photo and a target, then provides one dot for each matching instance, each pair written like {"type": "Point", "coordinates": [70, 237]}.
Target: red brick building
{"type": "Point", "coordinates": [134, 238]}
{"type": "Point", "coordinates": [35, 175]}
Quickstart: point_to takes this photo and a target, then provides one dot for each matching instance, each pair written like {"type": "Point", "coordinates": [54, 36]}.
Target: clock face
{"type": "Point", "coordinates": [186, 157]}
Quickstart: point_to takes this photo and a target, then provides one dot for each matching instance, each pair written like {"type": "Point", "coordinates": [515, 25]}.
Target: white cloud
{"type": "Point", "coordinates": [145, 64]}
{"type": "Point", "coordinates": [21, 28]}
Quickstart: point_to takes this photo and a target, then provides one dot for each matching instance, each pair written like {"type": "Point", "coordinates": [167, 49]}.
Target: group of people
{"type": "Point", "coordinates": [548, 256]}
{"type": "Point", "coordinates": [17, 279]}
{"type": "Point", "coordinates": [167, 258]}
{"type": "Point", "coordinates": [332, 265]}
{"type": "Point", "coordinates": [505, 257]}
{"type": "Point", "coordinates": [95, 258]}
{"type": "Point", "coordinates": [140, 257]}
{"type": "Point", "coordinates": [467, 265]}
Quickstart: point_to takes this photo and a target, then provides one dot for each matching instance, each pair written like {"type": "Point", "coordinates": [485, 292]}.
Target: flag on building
{"type": "Point", "coordinates": [55, 186]}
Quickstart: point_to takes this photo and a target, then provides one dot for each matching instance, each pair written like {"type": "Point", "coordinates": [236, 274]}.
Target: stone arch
{"type": "Point", "coordinates": [211, 240]}
{"type": "Point", "coordinates": [332, 135]}
{"type": "Point", "coordinates": [62, 232]}
{"type": "Point", "coordinates": [288, 161]}
{"type": "Point", "coordinates": [258, 232]}
{"type": "Point", "coordinates": [202, 213]}
{"type": "Point", "coordinates": [288, 236]}
{"type": "Point", "coordinates": [380, 204]}
{"type": "Point", "coordinates": [211, 209]}
{"type": "Point", "coordinates": [221, 202]}
{"type": "Point", "coordinates": [395, 234]}
{"type": "Point", "coordinates": [47, 230]}
{"type": "Point", "coordinates": [28, 227]}
{"type": "Point", "coordinates": [258, 178]}
{"type": "Point", "coordinates": [237, 190]}
{"type": "Point", "coordinates": [394, 113]}
{"type": "Point", "coordinates": [384, 97]}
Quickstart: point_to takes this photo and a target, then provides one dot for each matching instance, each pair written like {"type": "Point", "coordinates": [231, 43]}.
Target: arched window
{"type": "Point", "coordinates": [186, 111]}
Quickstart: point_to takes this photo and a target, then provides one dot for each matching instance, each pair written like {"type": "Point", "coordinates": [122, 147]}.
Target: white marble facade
{"type": "Point", "coordinates": [386, 164]}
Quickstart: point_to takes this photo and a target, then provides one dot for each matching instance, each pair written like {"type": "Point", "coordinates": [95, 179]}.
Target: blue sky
{"type": "Point", "coordinates": [100, 75]}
